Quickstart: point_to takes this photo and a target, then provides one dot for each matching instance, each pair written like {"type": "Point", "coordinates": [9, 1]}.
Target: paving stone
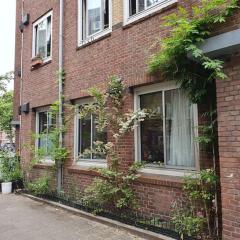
{"type": "Point", "coordinates": [24, 219]}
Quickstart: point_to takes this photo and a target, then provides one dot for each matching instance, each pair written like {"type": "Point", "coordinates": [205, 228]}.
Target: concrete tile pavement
{"type": "Point", "coordinates": [24, 219]}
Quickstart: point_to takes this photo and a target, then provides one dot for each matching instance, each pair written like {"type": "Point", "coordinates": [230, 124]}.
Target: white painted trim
{"type": "Point", "coordinates": [167, 172]}
{"type": "Point", "coordinates": [34, 35]}
{"type": "Point", "coordinates": [150, 10]}
{"type": "Point", "coordinates": [163, 86]}
{"type": "Point", "coordinates": [97, 35]}
{"type": "Point", "coordinates": [91, 164]}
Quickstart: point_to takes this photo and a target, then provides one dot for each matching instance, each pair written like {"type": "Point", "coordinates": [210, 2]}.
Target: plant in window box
{"type": "Point", "coordinates": [37, 61]}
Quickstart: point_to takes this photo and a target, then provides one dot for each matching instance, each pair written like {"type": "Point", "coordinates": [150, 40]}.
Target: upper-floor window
{"type": "Point", "coordinates": [94, 19]}
{"type": "Point", "coordinates": [136, 6]}
{"type": "Point", "coordinates": [136, 9]}
{"type": "Point", "coordinates": [42, 37]}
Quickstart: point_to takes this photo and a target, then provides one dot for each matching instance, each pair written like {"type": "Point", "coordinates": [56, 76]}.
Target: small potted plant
{"type": "Point", "coordinates": [10, 170]}
{"type": "Point", "coordinates": [37, 61]}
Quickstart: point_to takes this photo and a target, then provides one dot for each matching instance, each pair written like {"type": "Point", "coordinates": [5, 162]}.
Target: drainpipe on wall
{"type": "Point", "coordinates": [60, 92]}
{"type": "Point", "coordinates": [21, 80]}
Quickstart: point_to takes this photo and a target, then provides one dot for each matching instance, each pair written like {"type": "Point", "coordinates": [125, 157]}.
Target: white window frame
{"type": "Point", "coordinates": [148, 10]}
{"type": "Point", "coordinates": [82, 161]}
{"type": "Point", "coordinates": [169, 170]}
{"type": "Point", "coordinates": [96, 35]}
{"type": "Point", "coordinates": [46, 159]}
{"type": "Point", "coordinates": [34, 35]}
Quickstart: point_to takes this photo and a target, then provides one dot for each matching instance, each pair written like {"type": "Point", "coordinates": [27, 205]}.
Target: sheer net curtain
{"type": "Point", "coordinates": [179, 129]}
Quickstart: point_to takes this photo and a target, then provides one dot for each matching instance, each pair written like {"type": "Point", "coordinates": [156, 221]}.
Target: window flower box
{"type": "Point", "coordinates": [36, 62]}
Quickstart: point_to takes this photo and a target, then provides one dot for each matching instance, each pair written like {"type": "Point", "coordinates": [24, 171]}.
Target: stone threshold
{"type": "Point", "coordinates": [112, 223]}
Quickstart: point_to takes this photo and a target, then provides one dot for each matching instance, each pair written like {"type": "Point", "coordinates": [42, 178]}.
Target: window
{"type": "Point", "coordinates": [45, 123]}
{"type": "Point", "coordinates": [167, 138]}
{"type": "Point", "coordinates": [136, 9]}
{"type": "Point", "coordinates": [136, 6]}
{"type": "Point", "coordinates": [42, 37]}
{"type": "Point", "coordinates": [86, 135]}
{"type": "Point", "coordinates": [94, 19]}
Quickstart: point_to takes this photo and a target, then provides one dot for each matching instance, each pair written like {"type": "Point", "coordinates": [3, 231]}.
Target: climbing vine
{"type": "Point", "coordinates": [180, 57]}
{"type": "Point", "coordinates": [113, 188]}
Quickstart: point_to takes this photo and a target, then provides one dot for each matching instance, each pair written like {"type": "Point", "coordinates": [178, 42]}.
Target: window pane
{"type": "Point", "coordinates": [179, 129]}
{"type": "Point", "coordinates": [85, 136]}
{"type": "Point", "coordinates": [132, 7]}
{"type": "Point", "coordinates": [141, 5]}
{"type": "Point", "coordinates": [51, 136]}
{"type": "Point", "coordinates": [42, 141]}
{"type": "Point", "coordinates": [106, 13]}
{"type": "Point", "coordinates": [94, 16]}
{"type": "Point", "coordinates": [49, 23]}
{"type": "Point", "coordinates": [42, 36]}
{"type": "Point", "coordinates": [152, 150]}
{"type": "Point", "coordinates": [152, 2]}
{"type": "Point", "coordinates": [99, 136]}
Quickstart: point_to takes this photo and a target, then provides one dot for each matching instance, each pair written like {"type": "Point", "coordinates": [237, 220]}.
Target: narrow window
{"type": "Point", "coordinates": [87, 135]}
{"type": "Point", "coordinates": [46, 123]}
{"type": "Point", "coordinates": [137, 6]}
{"type": "Point", "coordinates": [95, 17]}
{"type": "Point", "coordinates": [42, 31]}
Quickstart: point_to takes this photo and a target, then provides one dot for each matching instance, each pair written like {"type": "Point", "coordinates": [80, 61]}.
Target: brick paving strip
{"type": "Point", "coordinates": [24, 219]}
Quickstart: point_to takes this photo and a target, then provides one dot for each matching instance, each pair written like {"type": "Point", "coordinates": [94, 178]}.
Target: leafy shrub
{"type": "Point", "coordinates": [193, 213]}
{"type": "Point", "coordinates": [10, 167]}
{"type": "Point", "coordinates": [39, 186]}
{"type": "Point", "coordinates": [113, 189]}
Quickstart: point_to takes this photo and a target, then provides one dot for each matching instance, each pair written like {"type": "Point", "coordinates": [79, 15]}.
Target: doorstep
{"type": "Point", "coordinates": [112, 223]}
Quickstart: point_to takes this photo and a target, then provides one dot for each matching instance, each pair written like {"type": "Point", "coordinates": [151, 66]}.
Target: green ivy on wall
{"type": "Point", "coordinates": [188, 29]}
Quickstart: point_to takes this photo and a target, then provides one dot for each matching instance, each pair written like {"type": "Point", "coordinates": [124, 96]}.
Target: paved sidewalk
{"type": "Point", "coordinates": [24, 219]}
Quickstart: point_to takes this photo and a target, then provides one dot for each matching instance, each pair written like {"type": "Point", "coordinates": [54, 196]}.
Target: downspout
{"type": "Point", "coordinates": [60, 92]}
{"type": "Point", "coordinates": [21, 80]}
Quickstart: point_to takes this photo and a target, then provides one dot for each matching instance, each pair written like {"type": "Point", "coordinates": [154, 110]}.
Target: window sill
{"type": "Point", "coordinates": [165, 5]}
{"type": "Point", "coordinates": [167, 172]}
{"type": "Point", "coordinates": [91, 164]}
{"type": "Point", "coordinates": [95, 38]}
{"type": "Point", "coordinates": [44, 165]}
{"type": "Point", "coordinates": [76, 169]}
{"type": "Point", "coordinates": [45, 62]}
{"type": "Point", "coordinates": [163, 177]}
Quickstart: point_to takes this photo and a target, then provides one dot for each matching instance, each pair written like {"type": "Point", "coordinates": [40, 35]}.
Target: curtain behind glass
{"type": "Point", "coordinates": [94, 16]}
{"type": "Point", "coordinates": [179, 129]}
{"type": "Point", "coordinates": [42, 36]}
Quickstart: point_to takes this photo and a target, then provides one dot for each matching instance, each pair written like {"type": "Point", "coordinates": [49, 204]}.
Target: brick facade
{"type": "Point", "coordinates": [228, 95]}
{"type": "Point", "coordinates": [124, 53]}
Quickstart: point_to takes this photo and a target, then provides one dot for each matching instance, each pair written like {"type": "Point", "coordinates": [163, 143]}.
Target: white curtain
{"type": "Point", "coordinates": [179, 130]}
{"type": "Point", "coordinates": [42, 36]}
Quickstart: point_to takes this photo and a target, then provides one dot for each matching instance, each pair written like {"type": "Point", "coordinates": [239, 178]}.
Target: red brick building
{"type": "Point", "coordinates": [114, 38]}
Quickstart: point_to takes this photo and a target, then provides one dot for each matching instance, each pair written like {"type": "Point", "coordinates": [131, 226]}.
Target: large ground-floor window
{"type": "Point", "coordinates": [167, 138]}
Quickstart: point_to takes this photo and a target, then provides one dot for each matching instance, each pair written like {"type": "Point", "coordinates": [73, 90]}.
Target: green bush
{"type": "Point", "coordinates": [10, 167]}
{"type": "Point", "coordinates": [194, 214]}
{"type": "Point", "coordinates": [39, 186]}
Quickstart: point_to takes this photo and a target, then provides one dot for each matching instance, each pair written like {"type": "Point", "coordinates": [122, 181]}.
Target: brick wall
{"type": "Point", "coordinates": [123, 53]}
{"type": "Point", "coordinates": [228, 103]}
